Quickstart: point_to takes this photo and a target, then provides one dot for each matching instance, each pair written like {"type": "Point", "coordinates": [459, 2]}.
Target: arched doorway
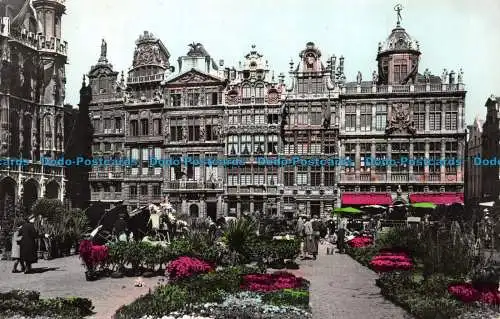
{"type": "Point", "coordinates": [194, 211]}
{"type": "Point", "coordinates": [52, 190]}
{"type": "Point", "coordinates": [7, 198]}
{"type": "Point", "coordinates": [30, 194]}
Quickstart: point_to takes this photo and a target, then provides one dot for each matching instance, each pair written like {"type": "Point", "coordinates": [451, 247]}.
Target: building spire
{"type": "Point", "coordinates": [398, 8]}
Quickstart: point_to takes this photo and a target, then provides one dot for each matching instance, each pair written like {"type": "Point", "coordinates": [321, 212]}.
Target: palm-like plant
{"type": "Point", "coordinates": [239, 236]}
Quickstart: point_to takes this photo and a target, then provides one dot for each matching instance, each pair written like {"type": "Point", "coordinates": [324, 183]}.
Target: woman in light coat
{"type": "Point", "coordinates": [310, 245]}
{"type": "Point", "coordinates": [16, 249]}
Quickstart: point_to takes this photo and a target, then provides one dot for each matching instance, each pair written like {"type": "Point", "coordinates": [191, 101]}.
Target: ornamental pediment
{"type": "Point", "coordinates": [193, 77]}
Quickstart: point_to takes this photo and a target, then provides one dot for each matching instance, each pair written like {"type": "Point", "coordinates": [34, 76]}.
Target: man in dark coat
{"type": "Point", "coordinates": [341, 239]}
{"type": "Point", "coordinates": [28, 244]}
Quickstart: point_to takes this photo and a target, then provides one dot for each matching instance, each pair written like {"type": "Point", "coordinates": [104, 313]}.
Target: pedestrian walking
{"type": "Point", "coordinates": [318, 233]}
{"type": "Point", "coordinates": [341, 239]}
{"type": "Point", "coordinates": [28, 247]}
{"type": "Point", "coordinates": [16, 248]}
{"type": "Point", "coordinates": [300, 235]}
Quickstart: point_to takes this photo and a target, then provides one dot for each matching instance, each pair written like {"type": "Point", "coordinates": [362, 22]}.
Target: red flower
{"type": "Point", "coordinates": [464, 292]}
{"type": "Point", "coordinates": [93, 255]}
{"type": "Point", "coordinates": [490, 297]}
{"type": "Point", "coordinates": [270, 282]}
{"type": "Point", "coordinates": [388, 261]}
{"type": "Point", "coordinates": [184, 267]}
{"type": "Point", "coordinates": [360, 241]}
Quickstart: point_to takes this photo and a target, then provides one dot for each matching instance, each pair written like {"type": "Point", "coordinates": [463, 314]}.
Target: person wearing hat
{"type": "Point", "coordinates": [28, 248]}
{"type": "Point", "coordinates": [16, 248]}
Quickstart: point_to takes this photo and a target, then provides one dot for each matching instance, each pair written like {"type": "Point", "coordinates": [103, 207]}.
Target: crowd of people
{"type": "Point", "coordinates": [24, 247]}
{"type": "Point", "coordinates": [313, 231]}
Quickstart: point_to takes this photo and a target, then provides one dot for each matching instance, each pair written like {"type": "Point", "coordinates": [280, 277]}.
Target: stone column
{"type": "Point", "coordinates": [203, 206]}
{"type": "Point", "coordinates": [358, 160]}
{"type": "Point", "coordinates": [358, 116]}
{"type": "Point", "coordinates": [184, 207]}
{"type": "Point", "coordinates": [238, 207]}
{"type": "Point", "coordinates": [410, 167]}
{"type": "Point", "coordinates": [251, 204]}
{"type": "Point", "coordinates": [443, 115]}
{"type": "Point", "coordinates": [460, 149]}
{"type": "Point", "coordinates": [426, 154]}
{"type": "Point", "coordinates": [427, 108]}
{"type": "Point", "coordinates": [389, 155]}
{"type": "Point", "coordinates": [443, 168]}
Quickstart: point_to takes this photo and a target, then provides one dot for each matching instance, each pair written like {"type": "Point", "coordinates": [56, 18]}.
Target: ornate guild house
{"type": "Point", "coordinates": [32, 112]}
{"type": "Point", "coordinates": [206, 110]}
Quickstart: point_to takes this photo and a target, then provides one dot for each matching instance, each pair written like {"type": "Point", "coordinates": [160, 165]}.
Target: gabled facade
{"type": "Point", "coordinates": [252, 131]}
{"type": "Point", "coordinates": [107, 116]}
{"type": "Point", "coordinates": [193, 116]}
{"type": "Point", "coordinates": [310, 130]}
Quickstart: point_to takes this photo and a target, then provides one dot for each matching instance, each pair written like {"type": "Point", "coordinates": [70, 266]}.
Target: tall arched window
{"type": "Point", "coordinates": [47, 124]}
{"type": "Point", "coordinates": [27, 127]}
{"type": "Point", "coordinates": [259, 90]}
{"type": "Point", "coordinates": [14, 134]}
{"type": "Point", "coordinates": [247, 91]}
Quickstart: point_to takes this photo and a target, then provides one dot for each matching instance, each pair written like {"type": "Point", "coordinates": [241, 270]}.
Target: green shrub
{"type": "Point", "coordinates": [28, 303]}
{"type": "Point", "coordinates": [290, 297]}
{"type": "Point", "coordinates": [164, 300]}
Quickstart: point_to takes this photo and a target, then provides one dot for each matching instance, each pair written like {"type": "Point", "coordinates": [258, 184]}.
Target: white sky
{"type": "Point", "coordinates": [453, 34]}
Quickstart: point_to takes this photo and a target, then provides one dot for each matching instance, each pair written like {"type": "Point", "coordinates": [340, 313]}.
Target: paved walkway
{"type": "Point", "coordinates": [341, 288]}
{"type": "Point", "coordinates": [64, 277]}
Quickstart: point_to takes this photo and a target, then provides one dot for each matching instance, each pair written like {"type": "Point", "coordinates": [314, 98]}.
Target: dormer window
{"type": "Point", "coordinates": [260, 75]}
{"type": "Point", "coordinates": [253, 65]}
{"type": "Point", "coordinates": [246, 74]}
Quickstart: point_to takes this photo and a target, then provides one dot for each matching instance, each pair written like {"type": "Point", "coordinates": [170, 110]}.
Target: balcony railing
{"type": "Point", "coordinates": [400, 178]}
{"type": "Point", "coordinates": [106, 175]}
{"type": "Point", "coordinates": [146, 78]}
{"type": "Point", "coordinates": [193, 185]}
{"type": "Point", "coordinates": [407, 88]}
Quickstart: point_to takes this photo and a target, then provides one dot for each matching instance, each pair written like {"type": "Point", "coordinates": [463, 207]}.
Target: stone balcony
{"type": "Point", "coordinates": [95, 176]}
{"type": "Point", "coordinates": [409, 88]}
{"type": "Point", "coordinates": [194, 186]}
{"type": "Point", "coordinates": [375, 178]}
{"type": "Point", "coordinates": [146, 78]}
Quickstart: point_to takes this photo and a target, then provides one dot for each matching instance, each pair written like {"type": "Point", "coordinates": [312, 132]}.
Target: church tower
{"type": "Point", "coordinates": [398, 56]}
{"type": "Point", "coordinates": [53, 51]}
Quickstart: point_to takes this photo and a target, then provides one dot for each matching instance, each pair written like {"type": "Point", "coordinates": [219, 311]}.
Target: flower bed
{"type": "Point", "coordinates": [185, 267]}
{"type": "Point", "coordinates": [360, 242]}
{"type": "Point", "coordinates": [390, 261]}
{"type": "Point", "coordinates": [271, 282]}
{"type": "Point", "coordinates": [222, 294]}
{"type": "Point", "coordinates": [466, 293]}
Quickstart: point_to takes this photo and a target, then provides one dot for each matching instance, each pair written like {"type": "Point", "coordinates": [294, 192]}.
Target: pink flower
{"type": "Point", "coordinates": [490, 297]}
{"type": "Point", "coordinates": [360, 241]}
{"type": "Point", "coordinates": [185, 267]}
{"type": "Point", "coordinates": [388, 261]}
{"type": "Point", "coordinates": [270, 282]}
{"type": "Point", "coordinates": [464, 292]}
{"type": "Point", "coordinates": [93, 255]}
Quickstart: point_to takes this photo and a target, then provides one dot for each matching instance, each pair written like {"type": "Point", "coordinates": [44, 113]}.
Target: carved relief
{"type": "Point", "coordinates": [400, 120]}
{"type": "Point", "coordinates": [146, 54]}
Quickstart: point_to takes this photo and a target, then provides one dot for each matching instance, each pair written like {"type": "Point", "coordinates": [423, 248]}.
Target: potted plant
{"type": "Point", "coordinates": [93, 257]}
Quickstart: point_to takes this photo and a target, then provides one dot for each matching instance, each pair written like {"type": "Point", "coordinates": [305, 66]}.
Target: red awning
{"type": "Point", "coordinates": [437, 198]}
{"type": "Point", "coordinates": [366, 199]}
